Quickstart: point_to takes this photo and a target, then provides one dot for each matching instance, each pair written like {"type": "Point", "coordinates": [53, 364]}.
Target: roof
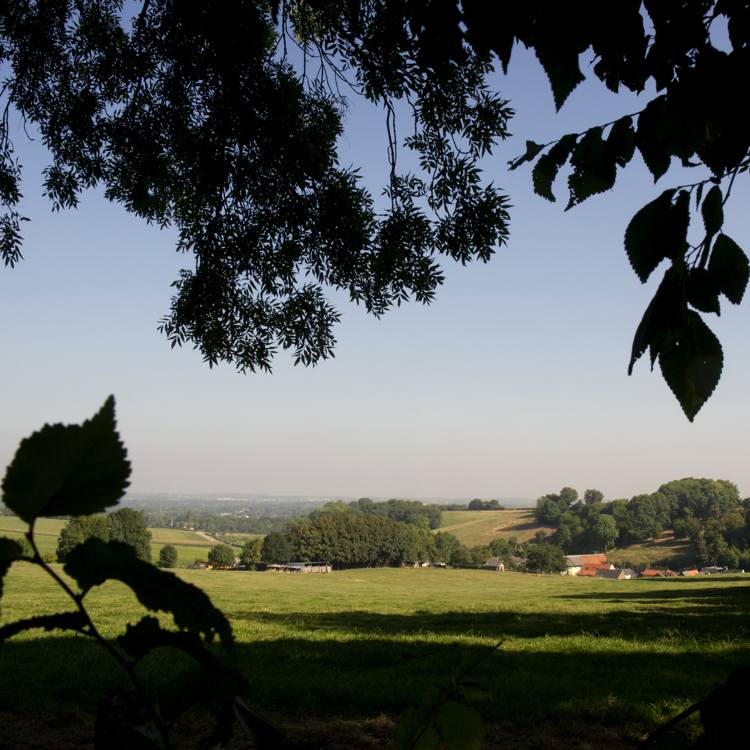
{"type": "Point", "coordinates": [493, 562]}
{"type": "Point", "coordinates": [690, 572]}
{"type": "Point", "coordinates": [653, 574]}
{"type": "Point", "coordinates": [594, 558]}
{"type": "Point", "coordinates": [592, 568]}
{"type": "Point", "coordinates": [602, 573]}
{"type": "Point", "coordinates": [577, 561]}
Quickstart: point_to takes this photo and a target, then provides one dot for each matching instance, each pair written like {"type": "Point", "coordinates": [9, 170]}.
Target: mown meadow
{"type": "Point", "coordinates": [578, 655]}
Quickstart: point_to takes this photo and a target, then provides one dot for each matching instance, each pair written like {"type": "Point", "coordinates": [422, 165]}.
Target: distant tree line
{"type": "Point", "coordinates": [708, 512]}
{"type": "Point", "coordinates": [213, 523]}
{"type": "Point", "coordinates": [124, 525]}
{"type": "Point", "coordinates": [411, 512]}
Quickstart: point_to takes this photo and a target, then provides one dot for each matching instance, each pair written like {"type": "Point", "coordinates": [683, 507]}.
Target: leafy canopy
{"type": "Point", "coordinates": [188, 120]}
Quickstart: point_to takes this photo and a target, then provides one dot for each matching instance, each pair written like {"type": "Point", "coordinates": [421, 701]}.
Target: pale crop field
{"type": "Point", "coordinates": [575, 652]}
{"type": "Point", "coordinates": [476, 528]}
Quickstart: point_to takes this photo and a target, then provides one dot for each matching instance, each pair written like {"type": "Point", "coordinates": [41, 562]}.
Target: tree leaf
{"type": "Point", "coordinates": [620, 144]}
{"type": "Point", "coordinates": [664, 314]}
{"type": "Point", "coordinates": [713, 211]}
{"type": "Point", "coordinates": [594, 168]}
{"type": "Point", "coordinates": [652, 235]}
{"type": "Point", "coordinates": [472, 659]}
{"type": "Point", "coordinates": [68, 469]}
{"type": "Point", "coordinates": [473, 691]}
{"type": "Point", "coordinates": [61, 621]}
{"type": "Point", "coordinates": [546, 169]}
{"type": "Point", "coordinates": [94, 562]}
{"type": "Point", "coordinates": [691, 362]}
{"type": "Point", "coordinates": [702, 293]}
{"type": "Point", "coordinates": [729, 268]}
{"type": "Point", "coordinates": [412, 724]}
{"type": "Point", "coordinates": [647, 137]}
{"type": "Point", "coordinates": [560, 63]}
{"type": "Point", "coordinates": [532, 149]}
{"type": "Point", "coordinates": [461, 726]}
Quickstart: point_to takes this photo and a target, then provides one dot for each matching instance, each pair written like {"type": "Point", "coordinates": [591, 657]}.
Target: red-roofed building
{"type": "Point", "coordinates": [589, 569]}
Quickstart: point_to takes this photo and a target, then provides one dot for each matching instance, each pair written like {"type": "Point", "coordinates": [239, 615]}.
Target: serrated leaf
{"type": "Point", "coordinates": [620, 145]}
{"type": "Point", "coordinates": [264, 735]}
{"type": "Point", "coordinates": [532, 149]}
{"type": "Point", "coordinates": [472, 659]}
{"type": "Point", "coordinates": [140, 639]}
{"type": "Point", "coordinates": [546, 169]}
{"type": "Point", "coordinates": [71, 470]}
{"type": "Point", "coordinates": [664, 314]}
{"type": "Point", "coordinates": [473, 691]}
{"type": "Point", "coordinates": [461, 726]}
{"type": "Point", "coordinates": [647, 137]}
{"type": "Point", "coordinates": [651, 236]}
{"type": "Point", "coordinates": [701, 291]}
{"type": "Point", "coordinates": [434, 695]}
{"type": "Point", "coordinates": [93, 562]}
{"type": "Point", "coordinates": [712, 211]}
{"type": "Point", "coordinates": [560, 63]}
{"type": "Point", "coordinates": [594, 170]}
{"type": "Point", "coordinates": [60, 621]}
{"type": "Point", "coordinates": [412, 725]}
{"type": "Point", "coordinates": [729, 268]}
{"type": "Point", "coordinates": [691, 362]}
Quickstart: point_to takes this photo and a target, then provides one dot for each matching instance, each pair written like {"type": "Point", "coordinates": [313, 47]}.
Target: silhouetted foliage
{"type": "Point", "coordinates": [188, 120]}
{"type": "Point", "coordinates": [80, 470]}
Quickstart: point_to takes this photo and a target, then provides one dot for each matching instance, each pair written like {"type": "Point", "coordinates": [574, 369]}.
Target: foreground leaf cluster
{"type": "Point", "coordinates": [82, 469]}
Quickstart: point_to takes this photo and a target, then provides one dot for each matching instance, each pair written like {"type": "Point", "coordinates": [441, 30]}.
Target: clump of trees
{"type": "Point", "coordinates": [477, 504]}
{"type": "Point", "coordinates": [412, 512]}
{"type": "Point", "coordinates": [708, 512]}
{"type": "Point", "coordinates": [124, 525]}
{"type": "Point", "coordinates": [167, 556]}
{"type": "Point", "coordinates": [221, 556]}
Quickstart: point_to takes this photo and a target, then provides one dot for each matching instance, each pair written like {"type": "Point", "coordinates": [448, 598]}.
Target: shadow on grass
{"type": "Point", "coordinates": [374, 675]}
{"type": "Point", "coordinates": [704, 618]}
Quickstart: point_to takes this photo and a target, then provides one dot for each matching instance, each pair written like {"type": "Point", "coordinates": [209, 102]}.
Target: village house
{"type": "Point", "coordinates": [616, 573]}
{"type": "Point", "coordinates": [494, 564]}
{"type": "Point", "coordinates": [590, 569]}
{"type": "Point", "coordinates": [300, 567]}
{"type": "Point", "coordinates": [576, 562]}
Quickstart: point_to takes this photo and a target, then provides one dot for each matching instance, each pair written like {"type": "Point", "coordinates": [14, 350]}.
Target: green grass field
{"type": "Point", "coordinates": [579, 655]}
{"type": "Point", "coordinates": [180, 536]}
{"type": "Point", "coordinates": [42, 525]}
{"type": "Point", "coordinates": [476, 528]}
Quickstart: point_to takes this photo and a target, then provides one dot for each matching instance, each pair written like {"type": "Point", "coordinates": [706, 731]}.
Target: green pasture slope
{"type": "Point", "coordinates": [476, 528]}
{"type": "Point", "coordinates": [579, 656]}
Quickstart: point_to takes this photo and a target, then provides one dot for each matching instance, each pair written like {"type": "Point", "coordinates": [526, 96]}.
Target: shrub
{"type": "Point", "coordinates": [168, 556]}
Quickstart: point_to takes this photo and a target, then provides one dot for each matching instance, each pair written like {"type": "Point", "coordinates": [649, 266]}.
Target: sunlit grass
{"type": "Point", "coordinates": [363, 642]}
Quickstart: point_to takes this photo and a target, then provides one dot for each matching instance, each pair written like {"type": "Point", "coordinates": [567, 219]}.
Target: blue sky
{"type": "Point", "coordinates": [513, 383]}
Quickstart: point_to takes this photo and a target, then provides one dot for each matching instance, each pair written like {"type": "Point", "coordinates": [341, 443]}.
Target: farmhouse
{"type": "Point", "coordinates": [590, 569]}
{"type": "Point", "coordinates": [494, 564]}
{"type": "Point", "coordinates": [300, 567]}
{"type": "Point", "coordinates": [616, 573]}
{"type": "Point", "coordinates": [576, 562]}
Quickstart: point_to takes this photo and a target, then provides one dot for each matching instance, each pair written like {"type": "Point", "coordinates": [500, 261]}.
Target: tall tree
{"type": "Point", "coordinates": [78, 530]}
{"type": "Point", "coordinates": [275, 549]}
{"type": "Point", "coordinates": [127, 525]}
{"type": "Point", "coordinates": [593, 496]}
